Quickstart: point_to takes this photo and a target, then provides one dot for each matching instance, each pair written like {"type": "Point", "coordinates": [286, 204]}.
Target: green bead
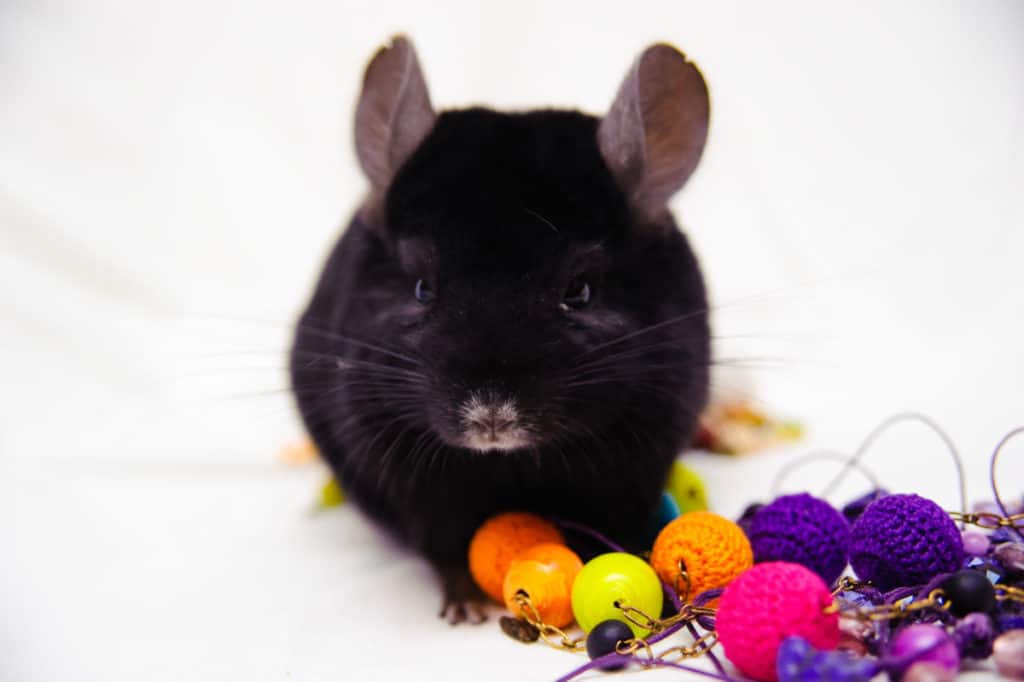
{"type": "Point", "coordinates": [686, 488]}
{"type": "Point", "coordinates": [331, 495]}
{"type": "Point", "coordinates": [611, 578]}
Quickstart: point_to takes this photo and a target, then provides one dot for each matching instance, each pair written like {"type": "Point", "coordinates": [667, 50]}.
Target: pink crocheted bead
{"type": "Point", "coordinates": [768, 603]}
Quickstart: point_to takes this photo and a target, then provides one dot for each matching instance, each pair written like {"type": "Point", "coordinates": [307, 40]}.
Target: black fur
{"type": "Point", "coordinates": [498, 213]}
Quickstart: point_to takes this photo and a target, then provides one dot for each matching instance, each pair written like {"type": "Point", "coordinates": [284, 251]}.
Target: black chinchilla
{"type": "Point", "coordinates": [512, 319]}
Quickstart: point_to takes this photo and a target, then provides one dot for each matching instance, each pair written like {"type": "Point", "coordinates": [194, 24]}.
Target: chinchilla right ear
{"type": "Point", "coordinates": [653, 135]}
{"type": "Point", "coordinates": [394, 113]}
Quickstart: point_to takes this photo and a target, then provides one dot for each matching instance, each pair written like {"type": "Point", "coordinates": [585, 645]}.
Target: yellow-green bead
{"type": "Point", "coordinates": [686, 488]}
{"type": "Point", "coordinates": [611, 578]}
{"type": "Point", "coordinates": [331, 495]}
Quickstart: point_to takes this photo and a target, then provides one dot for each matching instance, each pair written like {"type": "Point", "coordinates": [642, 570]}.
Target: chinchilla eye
{"type": "Point", "coordinates": [423, 292]}
{"type": "Point", "coordinates": [577, 294]}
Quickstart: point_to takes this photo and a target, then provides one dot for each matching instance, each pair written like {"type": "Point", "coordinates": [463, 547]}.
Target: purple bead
{"type": "Point", "coordinates": [853, 510]}
{"type": "Point", "coordinates": [925, 644]}
{"type": "Point", "coordinates": [927, 672]}
{"type": "Point", "coordinates": [903, 540]}
{"type": "Point", "coordinates": [1010, 555]}
{"type": "Point", "coordinates": [973, 636]}
{"type": "Point", "coordinates": [975, 543]}
{"type": "Point", "coordinates": [804, 530]}
{"type": "Point", "coordinates": [986, 507]}
{"type": "Point", "coordinates": [794, 656]}
{"type": "Point", "coordinates": [798, 661]}
{"type": "Point", "coordinates": [747, 517]}
{"type": "Point", "coordinates": [839, 667]}
{"type": "Point", "coordinates": [1010, 621]}
{"type": "Point", "coordinates": [1008, 654]}
{"type": "Point", "coordinates": [1003, 534]}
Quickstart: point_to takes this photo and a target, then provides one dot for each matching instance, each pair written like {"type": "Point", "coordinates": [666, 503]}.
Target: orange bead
{"type": "Point", "coordinates": [549, 589]}
{"type": "Point", "coordinates": [553, 554]}
{"type": "Point", "coordinates": [500, 540]}
{"type": "Point", "coordinates": [713, 550]}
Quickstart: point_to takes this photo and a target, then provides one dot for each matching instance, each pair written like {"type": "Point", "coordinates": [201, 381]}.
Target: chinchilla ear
{"type": "Point", "coordinates": [653, 135]}
{"type": "Point", "coordinates": [394, 113]}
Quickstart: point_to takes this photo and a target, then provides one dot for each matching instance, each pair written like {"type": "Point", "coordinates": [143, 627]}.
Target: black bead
{"type": "Point", "coordinates": [603, 639]}
{"type": "Point", "coordinates": [969, 592]}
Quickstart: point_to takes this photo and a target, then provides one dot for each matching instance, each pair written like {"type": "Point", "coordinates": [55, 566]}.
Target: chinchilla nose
{"type": "Point", "coordinates": [492, 423]}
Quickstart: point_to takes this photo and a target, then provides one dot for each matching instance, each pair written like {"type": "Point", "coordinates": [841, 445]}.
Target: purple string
{"type": "Point", "coordinates": [579, 527]}
{"type": "Point", "coordinates": [916, 591]}
{"type": "Point", "coordinates": [706, 622]}
{"type": "Point", "coordinates": [614, 659]}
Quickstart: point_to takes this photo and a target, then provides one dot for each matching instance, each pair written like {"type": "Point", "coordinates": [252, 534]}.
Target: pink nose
{"type": "Point", "coordinates": [492, 425]}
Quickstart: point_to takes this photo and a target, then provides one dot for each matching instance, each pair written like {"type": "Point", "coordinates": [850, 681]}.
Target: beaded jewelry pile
{"type": "Point", "coordinates": [794, 591]}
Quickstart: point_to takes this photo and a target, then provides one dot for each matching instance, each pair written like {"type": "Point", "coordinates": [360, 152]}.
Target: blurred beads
{"type": "Point", "coordinates": [798, 661]}
{"type": "Point", "coordinates": [927, 672]}
{"type": "Point", "coordinates": [975, 543]}
{"type": "Point", "coordinates": [1008, 654]}
{"type": "Point", "coordinates": [926, 644]}
{"type": "Point", "coordinates": [853, 510]}
{"type": "Point", "coordinates": [747, 517]}
{"type": "Point", "coordinates": [1010, 556]}
{"type": "Point", "coordinates": [686, 489]}
{"type": "Point", "coordinates": [973, 636]}
{"type": "Point", "coordinates": [1009, 621]}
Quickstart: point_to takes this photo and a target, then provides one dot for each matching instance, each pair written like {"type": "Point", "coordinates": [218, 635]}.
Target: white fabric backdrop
{"type": "Point", "coordinates": [171, 175]}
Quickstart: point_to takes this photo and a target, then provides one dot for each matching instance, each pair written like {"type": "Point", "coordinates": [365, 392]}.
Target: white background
{"type": "Point", "coordinates": [171, 175]}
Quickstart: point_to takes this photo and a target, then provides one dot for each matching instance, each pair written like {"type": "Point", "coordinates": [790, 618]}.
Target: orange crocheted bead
{"type": "Point", "coordinates": [712, 548]}
{"type": "Point", "coordinates": [546, 573]}
{"type": "Point", "coordinates": [500, 540]}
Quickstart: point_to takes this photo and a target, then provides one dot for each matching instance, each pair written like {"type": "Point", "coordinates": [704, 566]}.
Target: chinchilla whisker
{"type": "Point", "coordinates": [316, 331]}
{"type": "Point", "coordinates": [364, 344]}
{"type": "Point", "coordinates": [647, 330]}
{"type": "Point", "coordinates": [758, 362]}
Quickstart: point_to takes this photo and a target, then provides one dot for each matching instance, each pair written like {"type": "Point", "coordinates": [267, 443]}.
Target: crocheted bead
{"type": "Point", "coordinates": [903, 540]}
{"type": "Point", "coordinates": [499, 540]}
{"type": "Point", "coordinates": [804, 530]}
{"type": "Point", "coordinates": [712, 549]}
{"type": "Point", "coordinates": [767, 604]}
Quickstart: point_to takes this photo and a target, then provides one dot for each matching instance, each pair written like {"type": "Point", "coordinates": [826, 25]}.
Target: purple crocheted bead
{"type": "Point", "coordinates": [904, 540]}
{"type": "Point", "coordinates": [804, 530]}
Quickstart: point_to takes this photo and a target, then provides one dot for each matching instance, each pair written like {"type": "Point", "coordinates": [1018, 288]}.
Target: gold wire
{"type": "Point", "coordinates": [934, 600]}
{"type": "Point", "coordinates": [988, 520]}
{"type": "Point", "coordinates": [551, 635]}
{"type": "Point", "coordinates": [1009, 593]}
{"type": "Point", "coordinates": [684, 595]}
